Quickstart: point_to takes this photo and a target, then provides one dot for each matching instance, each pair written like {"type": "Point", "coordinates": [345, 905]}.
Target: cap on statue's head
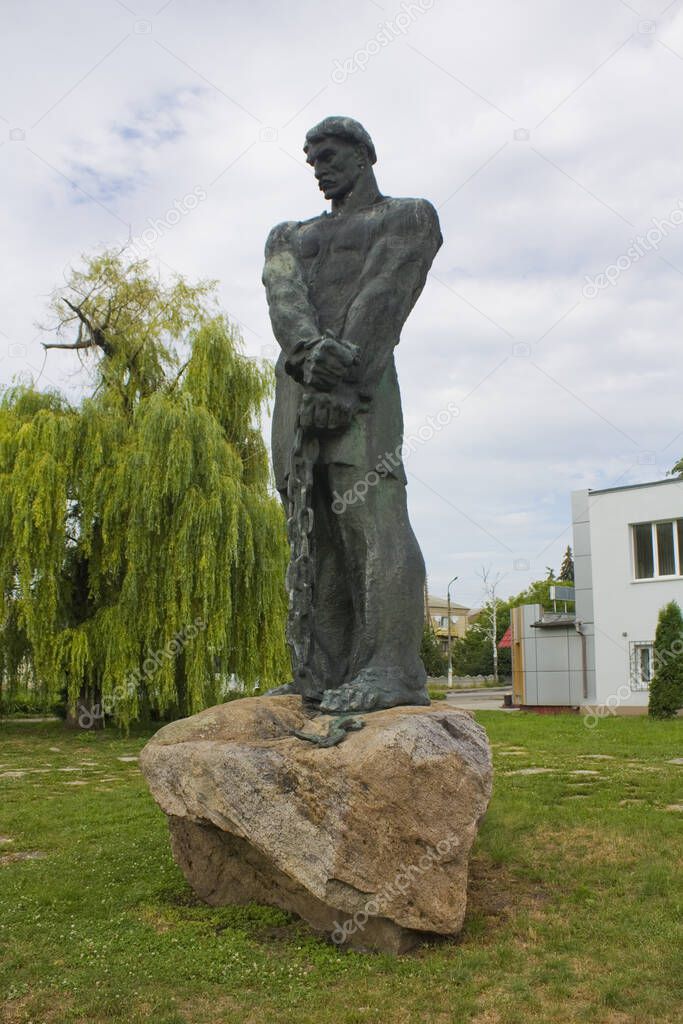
{"type": "Point", "coordinates": [343, 128]}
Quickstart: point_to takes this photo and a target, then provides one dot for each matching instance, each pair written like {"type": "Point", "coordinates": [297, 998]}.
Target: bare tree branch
{"type": "Point", "coordinates": [97, 334]}
{"type": "Point", "coordinates": [74, 345]}
{"type": "Point", "coordinates": [181, 371]}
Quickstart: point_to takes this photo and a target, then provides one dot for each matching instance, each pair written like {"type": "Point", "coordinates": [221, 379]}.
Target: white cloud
{"type": "Point", "coordinates": [128, 107]}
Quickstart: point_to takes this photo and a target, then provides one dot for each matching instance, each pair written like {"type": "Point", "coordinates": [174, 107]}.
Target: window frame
{"type": "Point", "coordinates": [636, 682]}
{"type": "Point", "coordinates": [678, 554]}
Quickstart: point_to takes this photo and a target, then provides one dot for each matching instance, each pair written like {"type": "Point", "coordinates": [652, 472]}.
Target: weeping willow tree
{"type": "Point", "coordinates": [142, 552]}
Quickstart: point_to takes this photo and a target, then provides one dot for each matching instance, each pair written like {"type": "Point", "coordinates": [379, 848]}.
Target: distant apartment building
{"type": "Point", "coordinates": [438, 616]}
{"type": "Point", "coordinates": [628, 562]}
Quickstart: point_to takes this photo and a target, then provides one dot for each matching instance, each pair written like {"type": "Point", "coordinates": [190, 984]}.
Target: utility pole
{"type": "Point", "coordinates": [450, 658]}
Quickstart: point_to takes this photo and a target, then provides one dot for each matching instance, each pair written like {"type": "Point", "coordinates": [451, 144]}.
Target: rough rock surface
{"type": "Point", "coordinates": [367, 841]}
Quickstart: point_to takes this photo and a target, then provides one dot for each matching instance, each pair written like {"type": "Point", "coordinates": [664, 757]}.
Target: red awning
{"type": "Point", "coordinates": [506, 639]}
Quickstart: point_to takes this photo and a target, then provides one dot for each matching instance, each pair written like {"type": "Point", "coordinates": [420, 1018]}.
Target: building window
{"type": "Point", "coordinates": [642, 665]}
{"type": "Point", "coordinates": [658, 549]}
{"type": "Point", "coordinates": [644, 551]}
{"type": "Point", "coordinates": [666, 556]}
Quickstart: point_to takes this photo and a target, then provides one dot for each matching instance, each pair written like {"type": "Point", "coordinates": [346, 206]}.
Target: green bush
{"type": "Point", "coordinates": [666, 689]}
{"type": "Point", "coordinates": [25, 702]}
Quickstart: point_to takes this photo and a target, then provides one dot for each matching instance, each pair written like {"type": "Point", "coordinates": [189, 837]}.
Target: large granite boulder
{"type": "Point", "coordinates": [367, 841]}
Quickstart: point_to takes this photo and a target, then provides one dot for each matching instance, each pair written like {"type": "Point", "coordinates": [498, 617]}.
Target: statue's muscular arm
{"type": "Point", "coordinates": [394, 274]}
{"type": "Point", "coordinates": [294, 320]}
{"type": "Point", "coordinates": [392, 278]}
{"type": "Point", "coordinates": [317, 361]}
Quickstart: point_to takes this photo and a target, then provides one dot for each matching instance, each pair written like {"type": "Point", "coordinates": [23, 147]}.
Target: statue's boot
{"type": "Point", "coordinates": [375, 689]}
{"type": "Point", "coordinates": [286, 690]}
{"type": "Point", "coordinates": [304, 685]}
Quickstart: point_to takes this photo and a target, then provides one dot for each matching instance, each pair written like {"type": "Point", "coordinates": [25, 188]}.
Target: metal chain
{"type": "Point", "coordinates": [301, 569]}
{"type": "Point", "coordinates": [337, 731]}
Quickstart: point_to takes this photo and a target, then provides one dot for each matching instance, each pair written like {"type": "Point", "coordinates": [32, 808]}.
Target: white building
{"type": "Point", "coordinates": [628, 563]}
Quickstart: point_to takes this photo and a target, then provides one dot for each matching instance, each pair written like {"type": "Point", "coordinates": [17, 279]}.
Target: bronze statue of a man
{"type": "Point", "coordinates": [340, 287]}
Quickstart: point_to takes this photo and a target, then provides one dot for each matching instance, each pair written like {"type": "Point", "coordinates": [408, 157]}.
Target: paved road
{"type": "Point", "coordinates": [480, 700]}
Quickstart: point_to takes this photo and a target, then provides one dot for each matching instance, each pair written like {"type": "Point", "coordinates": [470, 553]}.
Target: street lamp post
{"type": "Point", "coordinates": [450, 659]}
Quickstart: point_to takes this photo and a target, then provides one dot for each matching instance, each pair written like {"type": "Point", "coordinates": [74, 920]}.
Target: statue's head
{"type": "Point", "coordinates": [340, 151]}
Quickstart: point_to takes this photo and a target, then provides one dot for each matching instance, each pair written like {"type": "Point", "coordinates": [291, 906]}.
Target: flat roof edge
{"type": "Point", "coordinates": [632, 487]}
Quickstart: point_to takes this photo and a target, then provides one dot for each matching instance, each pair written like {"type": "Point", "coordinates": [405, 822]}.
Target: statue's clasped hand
{"type": "Point", "coordinates": [328, 362]}
{"type": "Point", "coordinates": [328, 410]}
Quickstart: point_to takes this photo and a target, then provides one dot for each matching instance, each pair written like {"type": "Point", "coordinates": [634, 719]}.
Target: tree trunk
{"type": "Point", "coordinates": [88, 713]}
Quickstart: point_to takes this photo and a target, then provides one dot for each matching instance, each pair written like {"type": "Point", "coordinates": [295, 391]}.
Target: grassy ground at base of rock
{"type": "Point", "coordinates": [574, 910]}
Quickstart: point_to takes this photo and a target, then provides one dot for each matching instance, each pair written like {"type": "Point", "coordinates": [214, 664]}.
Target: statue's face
{"type": "Point", "coordinates": [336, 164]}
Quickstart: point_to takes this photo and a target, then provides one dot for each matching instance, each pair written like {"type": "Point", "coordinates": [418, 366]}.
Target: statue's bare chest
{"type": "Point", "coordinates": [345, 241]}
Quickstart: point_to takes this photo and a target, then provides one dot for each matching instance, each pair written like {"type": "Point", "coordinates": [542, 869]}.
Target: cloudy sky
{"type": "Point", "coordinates": [548, 135]}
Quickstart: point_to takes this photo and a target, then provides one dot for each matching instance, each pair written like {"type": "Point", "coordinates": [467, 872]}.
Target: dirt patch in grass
{"type": "Point", "coordinates": [209, 1009]}
{"type": "Point", "coordinates": [13, 1011]}
{"type": "Point", "coordinates": [494, 893]}
{"type": "Point", "coordinates": [11, 858]}
{"type": "Point", "coordinates": [595, 846]}
{"type": "Point", "coordinates": [179, 898]}
{"type": "Point", "coordinates": [156, 920]}
{"type": "Point", "coordinates": [22, 1009]}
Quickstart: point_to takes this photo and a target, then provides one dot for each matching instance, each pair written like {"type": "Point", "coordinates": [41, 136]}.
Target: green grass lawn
{"type": "Point", "coordinates": [574, 909]}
